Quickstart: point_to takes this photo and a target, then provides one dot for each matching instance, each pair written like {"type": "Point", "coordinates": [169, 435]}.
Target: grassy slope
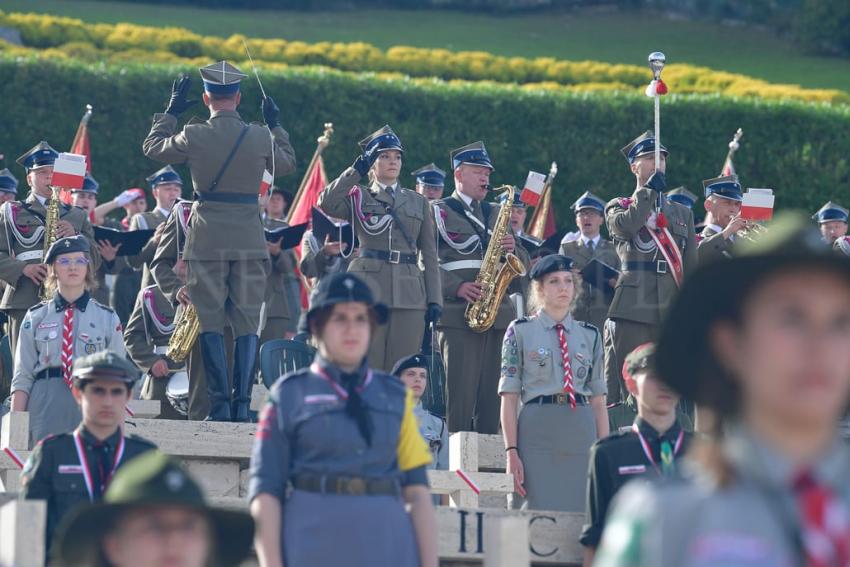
{"type": "Point", "coordinates": [611, 37]}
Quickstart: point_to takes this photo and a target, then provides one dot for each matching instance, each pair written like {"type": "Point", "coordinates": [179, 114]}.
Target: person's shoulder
{"type": "Point", "coordinates": [55, 441]}
{"type": "Point", "coordinates": [139, 442]}
{"type": "Point", "coordinates": [38, 307]}
{"type": "Point", "coordinates": [588, 327]}
{"type": "Point", "coordinates": [619, 203]}
{"type": "Point", "coordinates": [289, 380]}
{"type": "Point", "coordinates": [101, 306]}
{"type": "Point", "coordinates": [391, 383]}
{"type": "Point", "coordinates": [615, 441]}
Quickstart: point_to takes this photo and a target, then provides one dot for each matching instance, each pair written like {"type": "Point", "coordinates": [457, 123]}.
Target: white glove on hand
{"type": "Point", "coordinates": [125, 197]}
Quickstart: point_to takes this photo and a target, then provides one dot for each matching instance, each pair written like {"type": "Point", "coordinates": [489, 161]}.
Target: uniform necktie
{"type": "Point", "coordinates": [825, 524]}
{"type": "Point", "coordinates": [590, 246]}
{"type": "Point", "coordinates": [568, 371]}
{"type": "Point", "coordinates": [667, 464]}
{"type": "Point", "coordinates": [101, 454]}
{"type": "Point", "coordinates": [67, 357]}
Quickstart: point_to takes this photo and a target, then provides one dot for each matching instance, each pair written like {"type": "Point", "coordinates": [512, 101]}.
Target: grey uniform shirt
{"type": "Point", "coordinates": [96, 328]}
{"type": "Point", "coordinates": [531, 358]}
{"type": "Point", "coordinates": [436, 434]}
{"type": "Point", "coordinates": [690, 522]}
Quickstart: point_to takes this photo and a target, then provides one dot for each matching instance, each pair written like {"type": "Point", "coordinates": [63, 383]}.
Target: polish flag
{"type": "Point", "coordinates": [757, 205]}
{"type": "Point", "coordinates": [533, 189]}
{"type": "Point", "coordinates": [266, 183]}
{"type": "Point", "coordinates": [69, 171]}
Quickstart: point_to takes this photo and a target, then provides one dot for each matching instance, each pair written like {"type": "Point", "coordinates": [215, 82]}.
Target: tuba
{"type": "Point", "coordinates": [51, 220]}
{"type": "Point", "coordinates": [185, 334]}
{"type": "Point", "coordinates": [494, 277]}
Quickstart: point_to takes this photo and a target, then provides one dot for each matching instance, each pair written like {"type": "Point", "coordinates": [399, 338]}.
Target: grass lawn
{"type": "Point", "coordinates": [611, 37]}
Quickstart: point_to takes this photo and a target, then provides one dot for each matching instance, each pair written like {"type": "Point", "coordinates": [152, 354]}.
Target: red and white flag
{"type": "Point", "coordinates": [301, 210]}
{"type": "Point", "coordinates": [757, 205]}
{"type": "Point", "coordinates": [69, 171]}
{"type": "Point", "coordinates": [728, 167]}
{"type": "Point", "coordinates": [533, 189]}
{"type": "Point", "coordinates": [266, 183]}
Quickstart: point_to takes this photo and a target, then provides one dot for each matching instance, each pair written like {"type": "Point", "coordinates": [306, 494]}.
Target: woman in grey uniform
{"type": "Point", "coordinates": [553, 363]}
{"type": "Point", "coordinates": [54, 334]}
{"type": "Point", "coordinates": [338, 452]}
{"type": "Point", "coordinates": [763, 341]}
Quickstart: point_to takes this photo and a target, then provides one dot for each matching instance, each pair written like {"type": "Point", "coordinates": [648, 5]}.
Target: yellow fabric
{"type": "Point", "coordinates": [412, 450]}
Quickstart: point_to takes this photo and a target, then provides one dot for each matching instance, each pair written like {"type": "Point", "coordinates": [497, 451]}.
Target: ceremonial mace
{"type": "Point", "coordinates": [656, 89]}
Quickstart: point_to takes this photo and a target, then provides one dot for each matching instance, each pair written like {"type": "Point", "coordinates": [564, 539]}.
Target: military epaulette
{"type": "Point", "coordinates": [38, 306]}
{"type": "Point", "coordinates": [140, 440]}
{"type": "Point", "coordinates": [195, 120]}
{"type": "Point", "coordinates": [522, 320]}
{"type": "Point", "coordinates": [587, 325]}
{"type": "Point", "coordinates": [616, 436]}
{"type": "Point", "coordinates": [101, 305]}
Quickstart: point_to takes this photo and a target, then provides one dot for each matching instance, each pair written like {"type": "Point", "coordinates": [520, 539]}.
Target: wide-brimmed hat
{"type": "Point", "coordinates": [684, 358]}
{"type": "Point", "coordinates": [345, 288]}
{"type": "Point", "coordinates": [151, 479]}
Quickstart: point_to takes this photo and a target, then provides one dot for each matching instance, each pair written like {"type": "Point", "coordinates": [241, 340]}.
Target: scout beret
{"type": "Point", "coordinates": [641, 358]}
{"type": "Point", "coordinates": [549, 264]}
{"type": "Point", "coordinates": [345, 287]}
{"type": "Point", "coordinates": [412, 361]}
{"type": "Point", "coordinates": [67, 245]}
{"type": "Point", "coordinates": [104, 365]}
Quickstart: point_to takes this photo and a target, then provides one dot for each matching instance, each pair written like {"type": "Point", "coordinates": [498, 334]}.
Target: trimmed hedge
{"type": "Point", "coordinates": [126, 42]}
{"type": "Point", "coordinates": [799, 150]}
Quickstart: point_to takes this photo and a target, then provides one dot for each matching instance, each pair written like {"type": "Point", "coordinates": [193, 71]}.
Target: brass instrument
{"type": "Point", "coordinates": [494, 277]}
{"type": "Point", "coordinates": [186, 331]}
{"type": "Point", "coordinates": [751, 231]}
{"type": "Point", "coordinates": [51, 224]}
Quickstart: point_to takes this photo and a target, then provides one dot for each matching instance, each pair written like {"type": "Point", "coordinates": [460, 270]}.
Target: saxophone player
{"type": "Point", "coordinates": [22, 231]}
{"type": "Point", "coordinates": [472, 359]}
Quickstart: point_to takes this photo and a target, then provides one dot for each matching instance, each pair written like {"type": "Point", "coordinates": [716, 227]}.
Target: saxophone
{"type": "Point", "coordinates": [185, 334]}
{"type": "Point", "coordinates": [51, 220]}
{"type": "Point", "coordinates": [494, 277]}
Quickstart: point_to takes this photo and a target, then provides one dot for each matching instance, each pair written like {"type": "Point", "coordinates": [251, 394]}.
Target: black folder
{"type": "Point", "coordinates": [324, 226]}
{"type": "Point", "coordinates": [597, 273]}
{"type": "Point", "coordinates": [131, 241]}
{"type": "Point", "coordinates": [289, 236]}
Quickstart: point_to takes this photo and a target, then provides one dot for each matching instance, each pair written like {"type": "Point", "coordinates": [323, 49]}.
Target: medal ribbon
{"type": "Point", "coordinates": [667, 462]}
{"type": "Point", "coordinates": [84, 462]}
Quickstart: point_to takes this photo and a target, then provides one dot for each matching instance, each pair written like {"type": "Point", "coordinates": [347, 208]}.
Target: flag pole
{"type": "Point", "coordinates": [538, 221]}
{"type": "Point", "coordinates": [734, 145]}
{"type": "Point", "coordinates": [322, 142]}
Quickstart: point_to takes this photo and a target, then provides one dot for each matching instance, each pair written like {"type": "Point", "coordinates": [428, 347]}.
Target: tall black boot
{"type": "Point", "coordinates": [244, 374]}
{"type": "Point", "coordinates": [215, 368]}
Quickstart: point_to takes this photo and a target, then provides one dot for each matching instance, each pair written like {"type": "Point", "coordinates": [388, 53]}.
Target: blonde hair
{"type": "Point", "coordinates": [51, 283]}
{"type": "Point", "coordinates": [535, 295]}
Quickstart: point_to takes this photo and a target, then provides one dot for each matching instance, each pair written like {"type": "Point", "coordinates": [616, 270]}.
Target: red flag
{"type": "Point", "coordinates": [542, 223]}
{"type": "Point", "coordinates": [308, 195]}
{"type": "Point", "coordinates": [80, 146]}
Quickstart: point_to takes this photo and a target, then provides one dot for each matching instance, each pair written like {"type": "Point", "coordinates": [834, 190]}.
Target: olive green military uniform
{"type": "Point", "coordinates": [471, 359]}
{"type": "Point", "coordinates": [225, 249]}
{"type": "Point", "coordinates": [407, 277]}
{"type": "Point", "coordinates": [713, 246]}
{"type": "Point", "coordinates": [145, 338]}
{"type": "Point", "coordinates": [54, 473]}
{"type": "Point", "coordinates": [22, 243]}
{"type": "Point", "coordinates": [315, 264]}
{"type": "Point", "coordinates": [646, 286]}
{"type": "Point", "coordinates": [593, 302]}
{"type": "Point", "coordinates": [148, 220]}
{"type": "Point", "coordinates": [277, 312]}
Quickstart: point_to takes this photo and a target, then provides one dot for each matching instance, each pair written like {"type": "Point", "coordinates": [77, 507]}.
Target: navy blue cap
{"type": "Point", "coordinates": [517, 201]}
{"type": "Point", "coordinates": [726, 187]}
{"type": "Point", "coordinates": [90, 185]}
{"type": "Point", "coordinates": [831, 212]}
{"type": "Point", "coordinates": [67, 245]}
{"type": "Point", "coordinates": [164, 175]}
{"type": "Point", "coordinates": [589, 201]}
{"type": "Point", "coordinates": [471, 154]}
{"type": "Point", "coordinates": [682, 196]}
{"type": "Point", "coordinates": [412, 361]}
{"type": "Point", "coordinates": [345, 287]}
{"type": "Point", "coordinates": [221, 78]}
{"type": "Point", "coordinates": [381, 140]}
{"type": "Point", "coordinates": [641, 146]}
{"type": "Point", "coordinates": [40, 155]}
{"type": "Point", "coordinates": [8, 182]}
{"type": "Point", "coordinates": [430, 175]}
{"type": "Point", "coordinates": [549, 264]}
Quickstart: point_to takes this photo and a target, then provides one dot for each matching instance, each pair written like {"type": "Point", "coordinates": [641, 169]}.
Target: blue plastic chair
{"type": "Point", "coordinates": [279, 356]}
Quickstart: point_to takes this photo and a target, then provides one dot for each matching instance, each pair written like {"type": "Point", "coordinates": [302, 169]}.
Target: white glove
{"type": "Point", "coordinates": [125, 197]}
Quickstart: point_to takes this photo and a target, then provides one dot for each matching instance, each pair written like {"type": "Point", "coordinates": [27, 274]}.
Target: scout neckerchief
{"type": "Point", "coordinates": [67, 356]}
{"type": "Point", "coordinates": [824, 522]}
{"type": "Point", "coordinates": [340, 391]}
{"type": "Point", "coordinates": [668, 452]}
{"type": "Point", "coordinates": [84, 463]}
{"type": "Point", "coordinates": [569, 390]}
{"type": "Point", "coordinates": [665, 243]}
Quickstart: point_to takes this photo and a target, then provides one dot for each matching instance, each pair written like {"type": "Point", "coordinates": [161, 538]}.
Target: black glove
{"type": "Point", "coordinates": [178, 104]}
{"type": "Point", "coordinates": [433, 312]}
{"type": "Point", "coordinates": [271, 113]}
{"type": "Point", "coordinates": [658, 182]}
{"type": "Point", "coordinates": [361, 166]}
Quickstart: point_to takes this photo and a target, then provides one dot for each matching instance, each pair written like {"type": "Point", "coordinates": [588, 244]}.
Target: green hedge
{"type": "Point", "coordinates": [799, 150]}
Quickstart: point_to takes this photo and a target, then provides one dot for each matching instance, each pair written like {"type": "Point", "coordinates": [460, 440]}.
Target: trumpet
{"type": "Point", "coordinates": [751, 231]}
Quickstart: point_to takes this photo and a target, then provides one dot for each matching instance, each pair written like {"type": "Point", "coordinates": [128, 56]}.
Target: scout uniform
{"type": "Point", "coordinates": [472, 359]}
{"type": "Point", "coordinates": [767, 513]}
{"type": "Point", "coordinates": [345, 445]}
{"type": "Point", "coordinates": [430, 180]}
{"type": "Point", "coordinates": [74, 467]}
{"type": "Point", "coordinates": [226, 256]}
{"type": "Point", "coordinates": [398, 249]}
{"type": "Point", "coordinates": [42, 370]}
{"type": "Point", "coordinates": [651, 275]}
{"type": "Point", "coordinates": [553, 438]}
{"type": "Point", "coordinates": [593, 302]}
{"type": "Point", "coordinates": [638, 452]}
{"type": "Point", "coordinates": [277, 312]}
{"type": "Point", "coordinates": [713, 246]}
{"type": "Point", "coordinates": [22, 241]}
{"type": "Point", "coordinates": [146, 340]}
{"type": "Point", "coordinates": [150, 481]}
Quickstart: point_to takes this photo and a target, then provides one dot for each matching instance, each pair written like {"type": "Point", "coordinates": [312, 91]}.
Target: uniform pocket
{"type": "Point", "coordinates": [539, 366]}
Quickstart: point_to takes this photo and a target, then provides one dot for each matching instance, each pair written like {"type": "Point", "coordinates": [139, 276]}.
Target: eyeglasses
{"type": "Point", "coordinates": [65, 262]}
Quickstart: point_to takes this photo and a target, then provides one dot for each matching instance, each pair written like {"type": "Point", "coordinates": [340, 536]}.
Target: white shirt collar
{"type": "Point", "coordinates": [164, 212]}
{"type": "Point", "coordinates": [466, 199]}
{"type": "Point", "coordinates": [714, 227]}
{"type": "Point", "coordinates": [42, 200]}
{"type": "Point", "coordinates": [595, 240]}
{"type": "Point", "coordinates": [384, 187]}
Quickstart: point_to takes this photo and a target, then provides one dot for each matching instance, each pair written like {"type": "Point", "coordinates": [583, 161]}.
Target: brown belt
{"type": "Point", "coordinates": [351, 485]}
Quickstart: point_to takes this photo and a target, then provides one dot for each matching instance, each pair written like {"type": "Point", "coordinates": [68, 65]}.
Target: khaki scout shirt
{"type": "Point", "coordinates": [400, 286]}
{"type": "Point", "coordinates": [532, 364]}
{"type": "Point", "coordinates": [222, 231]}
{"type": "Point", "coordinates": [643, 295]}
{"type": "Point", "coordinates": [22, 243]}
